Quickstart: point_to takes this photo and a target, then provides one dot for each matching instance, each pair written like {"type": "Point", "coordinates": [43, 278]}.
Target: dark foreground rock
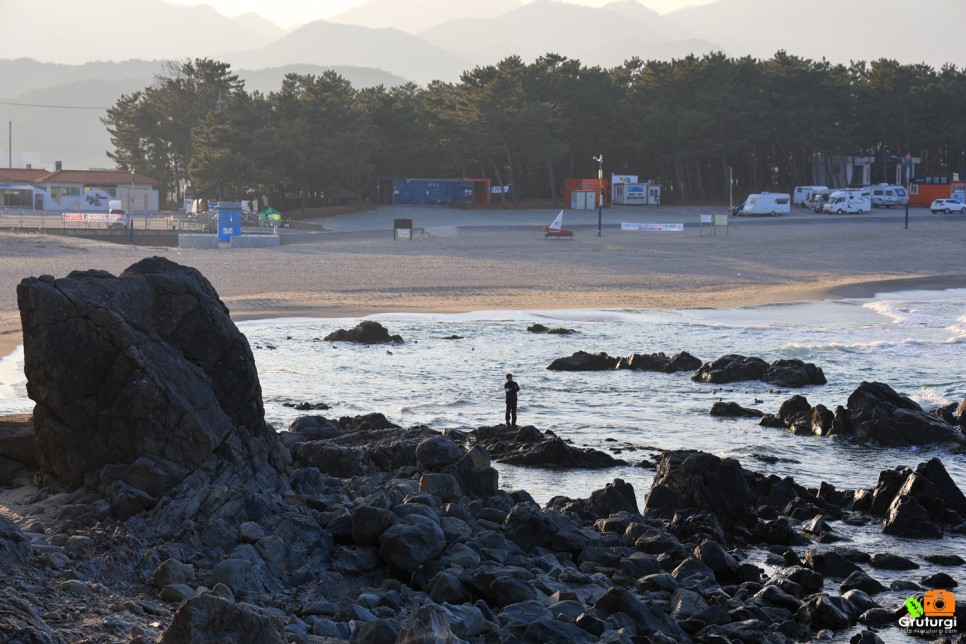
{"type": "Point", "coordinates": [366, 332]}
{"type": "Point", "coordinates": [784, 373]}
{"type": "Point", "coordinates": [732, 409]}
{"type": "Point", "coordinates": [140, 380]}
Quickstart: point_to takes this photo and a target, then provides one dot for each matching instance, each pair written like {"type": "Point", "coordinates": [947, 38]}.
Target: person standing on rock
{"type": "Point", "coordinates": [511, 388]}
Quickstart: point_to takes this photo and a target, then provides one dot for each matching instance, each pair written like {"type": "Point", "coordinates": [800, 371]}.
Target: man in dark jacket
{"type": "Point", "coordinates": [511, 388]}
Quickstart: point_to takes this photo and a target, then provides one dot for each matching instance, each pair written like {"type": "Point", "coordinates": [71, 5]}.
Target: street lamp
{"type": "Point", "coordinates": [130, 211]}
{"type": "Point", "coordinates": [600, 182]}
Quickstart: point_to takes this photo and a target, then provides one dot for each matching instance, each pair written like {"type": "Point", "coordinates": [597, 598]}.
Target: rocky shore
{"type": "Point", "coordinates": [148, 501]}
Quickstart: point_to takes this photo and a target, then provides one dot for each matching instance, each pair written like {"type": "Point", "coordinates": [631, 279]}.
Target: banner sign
{"type": "Point", "coordinates": [88, 216]}
{"type": "Point", "coordinates": [653, 227]}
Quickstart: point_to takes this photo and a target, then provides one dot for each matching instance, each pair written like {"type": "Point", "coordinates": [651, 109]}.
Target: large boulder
{"type": "Point", "coordinates": [731, 368]}
{"type": "Point", "coordinates": [794, 373]}
{"type": "Point", "coordinates": [146, 368]}
{"type": "Point", "coordinates": [366, 332]}
{"type": "Point", "coordinates": [691, 479]}
{"type": "Point", "coordinates": [878, 415]}
{"type": "Point", "coordinates": [212, 618]}
{"type": "Point", "coordinates": [583, 361]}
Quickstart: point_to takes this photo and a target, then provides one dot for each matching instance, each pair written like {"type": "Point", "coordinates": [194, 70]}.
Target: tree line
{"type": "Point", "coordinates": [682, 123]}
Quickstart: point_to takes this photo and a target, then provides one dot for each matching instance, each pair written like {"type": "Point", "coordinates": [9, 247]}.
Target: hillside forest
{"type": "Point", "coordinates": [317, 140]}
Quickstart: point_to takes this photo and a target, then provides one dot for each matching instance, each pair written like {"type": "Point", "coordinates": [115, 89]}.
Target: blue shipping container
{"type": "Point", "coordinates": [431, 191]}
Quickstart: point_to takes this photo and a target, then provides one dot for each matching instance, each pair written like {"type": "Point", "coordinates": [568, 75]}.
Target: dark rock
{"type": "Point", "coordinates": [583, 361]}
{"type": "Point", "coordinates": [771, 420]}
{"type": "Point", "coordinates": [212, 618]}
{"type": "Point", "coordinates": [683, 361]}
{"type": "Point", "coordinates": [794, 408]}
{"type": "Point", "coordinates": [555, 453]}
{"type": "Point", "coordinates": [17, 440]}
{"type": "Point", "coordinates": [859, 580]}
{"type": "Point", "coordinates": [614, 498]}
{"type": "Point", "coordinates": [366, 332]}
{"type": "Point", "coordinates": [369, 522]}
{"type": "Point", "coordinates": [704, 481]}
{"type": "Point", "coordinates": [164, 374]}
{"type": "Point", "coordinates": [475, 474]}
{"type": "Point", "coordinates": [907, 518]}
{"type": "Point", "coordinates": [724, 565]}
{"type": "Point", "coordinates": [821, 420]}
{"type": "Point", "coordinates": [865, 637]}
{"type": "Point", "coordinates": [823, 611]}
{"type": "Point", "coordinates": [410, 542]}
{"type": "Point", "coordinates": [444, 487]}
{"type": "Point", "coordinates": [646, 617]}
{"type": "Point", "coordinates": [731, 368]}
{"type": "Point", "coordinates": [539, 328]}
{"type": "Point", "coordinates": [878, 415]}
{"type": "Point", "coordinates": [944, 559]}
{"type": "Point", "coordinates": [939, 580]}
{"type": "Point", "coordinates": [877, 617]}
{"type": "Point", "coordinates": [376, 631]}
{"type": "Point", "coordinates": [889, 561]}
{"type": "Point", "coordinates": [438, 451]}
{"type": "Point", "coordinates": [307, 406]}
{"type": "Point", "coordinates": [313, 428]}
{"type": "Point", "coordinates": [830, 564]}
{"type": "Point", "coordinates": [793, 373]}
{"type": "Point", "coordinates": [428, 623]}
{"type": "Point", "coordinates": [859, 600]}
{"type": "Point", "coordinates": [732, 409]}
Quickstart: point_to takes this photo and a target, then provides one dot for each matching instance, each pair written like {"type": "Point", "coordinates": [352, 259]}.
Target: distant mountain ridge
{"type": "Point", "coordinates": [394, 41]}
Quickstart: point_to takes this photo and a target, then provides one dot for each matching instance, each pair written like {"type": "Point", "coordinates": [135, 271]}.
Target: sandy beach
{"type": "Point", "coordinates": [476, 268]}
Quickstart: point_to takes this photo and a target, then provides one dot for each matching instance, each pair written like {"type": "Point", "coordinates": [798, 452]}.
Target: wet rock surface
{"type": "Point", "coordinates": [784, 373]}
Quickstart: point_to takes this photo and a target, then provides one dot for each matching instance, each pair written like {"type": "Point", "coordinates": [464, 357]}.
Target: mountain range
{"type": "Point", "coordinates": [87, 61]}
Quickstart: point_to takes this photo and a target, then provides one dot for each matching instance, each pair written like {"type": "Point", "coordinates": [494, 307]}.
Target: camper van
{"type": "Point", "coordinates": [886, 196]}
{"type": "Point", "coordinates": [847, 202]}
{"type": "Point", "coordinates": [801, 194]}
{"type": "Point", "coordinates": [767, 203]}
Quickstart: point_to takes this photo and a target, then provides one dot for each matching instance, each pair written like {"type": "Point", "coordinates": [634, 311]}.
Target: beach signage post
{"type": "Point", "coordinates": [705, 219]}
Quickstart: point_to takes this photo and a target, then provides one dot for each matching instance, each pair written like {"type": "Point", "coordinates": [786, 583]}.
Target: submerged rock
{"type": "Point", "coordinates": [539, 328]}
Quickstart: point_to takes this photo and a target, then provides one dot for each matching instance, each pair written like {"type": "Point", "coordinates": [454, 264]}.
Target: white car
{"type": "Point", "coordinates": [947, 206]}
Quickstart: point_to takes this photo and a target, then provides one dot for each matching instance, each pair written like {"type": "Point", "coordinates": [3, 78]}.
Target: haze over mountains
{"type": "Point", "coordinates": [394, 41]}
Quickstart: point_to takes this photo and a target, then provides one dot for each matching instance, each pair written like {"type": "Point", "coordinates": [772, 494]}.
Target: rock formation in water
{"type": "Point", "coordinates": [366, 332]}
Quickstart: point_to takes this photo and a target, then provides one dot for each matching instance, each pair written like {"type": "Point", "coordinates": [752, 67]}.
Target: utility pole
{"type": "Point", "coordinates": [600, 182]}
{"type": "Point", "coordinates": [10, 140]}
{"type": "Point", "coordinates": [731, 183]}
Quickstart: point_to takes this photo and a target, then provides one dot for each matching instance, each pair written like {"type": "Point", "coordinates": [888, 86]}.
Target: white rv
{"type": "Point", "coordinates": [886, 196]}
{"type": "Point", "coordinates": [767, 203]}
{"type": "Point", "coordinates": [801, 193]}
{"type": "Point", "coordinates": [843, 202]}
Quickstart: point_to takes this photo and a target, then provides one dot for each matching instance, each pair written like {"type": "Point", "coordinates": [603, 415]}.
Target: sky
{"type": "Point", "coordinates": [289, 13]}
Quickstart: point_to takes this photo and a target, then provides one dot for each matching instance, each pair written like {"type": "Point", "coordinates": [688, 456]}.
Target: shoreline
{"type": "Point", "coordinates": [340, 305]}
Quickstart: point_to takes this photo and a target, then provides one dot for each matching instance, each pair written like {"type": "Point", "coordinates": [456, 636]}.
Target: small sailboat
{"type": "Point", "coordinates": [555, 229]}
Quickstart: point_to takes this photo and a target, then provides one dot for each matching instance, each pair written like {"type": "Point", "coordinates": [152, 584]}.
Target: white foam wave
{"type": "Point", "coordinates": [929, 398]}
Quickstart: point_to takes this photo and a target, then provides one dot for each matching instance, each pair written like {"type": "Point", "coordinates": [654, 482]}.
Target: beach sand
{"type": "Point", "coordinates": [515, 267]}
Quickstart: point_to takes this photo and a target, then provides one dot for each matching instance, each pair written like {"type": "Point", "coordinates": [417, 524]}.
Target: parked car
{"type": "Point", "coordinates": [947, 206]}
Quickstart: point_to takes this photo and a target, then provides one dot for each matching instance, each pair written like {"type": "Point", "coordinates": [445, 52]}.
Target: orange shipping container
{"type": "Point", "coordinates": [585, 184]}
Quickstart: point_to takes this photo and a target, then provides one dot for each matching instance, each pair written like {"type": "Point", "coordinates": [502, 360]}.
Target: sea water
{"type": "Point", "coordinates": [912, 341]}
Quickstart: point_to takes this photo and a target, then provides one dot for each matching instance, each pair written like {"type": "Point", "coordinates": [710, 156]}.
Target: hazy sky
{"type": "Point", "coordinates": [288, 13]}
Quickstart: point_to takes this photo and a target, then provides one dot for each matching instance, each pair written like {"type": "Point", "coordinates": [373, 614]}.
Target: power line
{"type": "Point", "coordinates": [59, 107]}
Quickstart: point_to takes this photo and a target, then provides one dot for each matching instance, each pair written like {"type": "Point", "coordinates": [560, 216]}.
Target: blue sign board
{"type": "Point", "coordinates": [229, 224]}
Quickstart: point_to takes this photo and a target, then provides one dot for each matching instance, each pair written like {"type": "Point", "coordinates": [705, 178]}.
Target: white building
{"type": "Point", "coordinates": [83, 190]}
